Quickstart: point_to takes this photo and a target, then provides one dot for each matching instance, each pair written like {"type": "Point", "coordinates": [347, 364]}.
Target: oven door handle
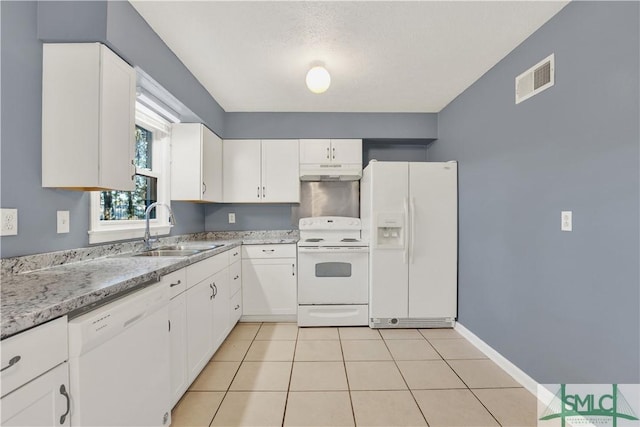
{"type": "Point", "coordinates": [334, 250]}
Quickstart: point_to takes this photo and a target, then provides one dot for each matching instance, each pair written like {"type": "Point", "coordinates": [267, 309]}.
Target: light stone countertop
{"type": "Point", "coordinates": [31, 298]}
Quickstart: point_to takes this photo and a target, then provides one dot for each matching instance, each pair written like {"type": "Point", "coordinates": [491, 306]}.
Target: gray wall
{"type": "Point", "coordinates": [562, 306]}
{"type": "Point", "coordinates": [249, 217]}
{"type": "Point", "coordinates": [330, 125]}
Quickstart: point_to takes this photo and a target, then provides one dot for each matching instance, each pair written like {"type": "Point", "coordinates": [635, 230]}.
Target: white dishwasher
{"type": "Point", "coordinates": [119, 362]}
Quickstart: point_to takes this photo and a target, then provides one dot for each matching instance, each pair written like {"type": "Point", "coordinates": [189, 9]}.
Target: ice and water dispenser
{"type": "Point", "coordinates": [390, 231]}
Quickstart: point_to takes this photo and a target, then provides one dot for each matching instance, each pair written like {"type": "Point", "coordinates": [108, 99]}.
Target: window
{"type": "Point", "coordinates": [119, 215]}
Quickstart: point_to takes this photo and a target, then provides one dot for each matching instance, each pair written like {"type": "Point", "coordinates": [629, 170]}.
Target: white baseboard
{"type": "Point", "coordinates": [518, 374]}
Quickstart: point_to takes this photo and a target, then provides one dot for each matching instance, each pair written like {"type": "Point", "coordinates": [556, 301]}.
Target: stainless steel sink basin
{"type": "Point", "coordinates": [168, 252]}
{"type": "Point", "coordinates": [190, 247]}
{"type": "Point", "coordinates": [184, 249]}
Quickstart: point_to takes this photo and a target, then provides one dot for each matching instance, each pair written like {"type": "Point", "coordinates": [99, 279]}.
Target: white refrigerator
{"type": "Point", "coordinates": [409, 214]}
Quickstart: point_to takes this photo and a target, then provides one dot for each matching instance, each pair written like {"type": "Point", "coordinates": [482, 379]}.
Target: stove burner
{"type": "Point", "coordinates": [349, 239]}
{"type": "Point", "coordinates": [314, 240]}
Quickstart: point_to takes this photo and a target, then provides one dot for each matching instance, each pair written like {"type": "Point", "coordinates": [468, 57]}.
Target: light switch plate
{"type": "Point", "coordinates": [63, 221]}
{"type": "Point", "coordinates": [566, 219]}
{"type": "Point", "coordinates": [9, 226]}
{"type": "Point", "coordinates": [232, 218]}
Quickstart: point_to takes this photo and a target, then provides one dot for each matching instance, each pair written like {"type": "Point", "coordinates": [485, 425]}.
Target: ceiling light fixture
{"type": "Point", "coordinates": [318, 79]}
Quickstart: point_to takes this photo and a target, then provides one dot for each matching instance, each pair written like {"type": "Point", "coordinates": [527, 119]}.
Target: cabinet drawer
{"type": "Point", "coordinates": [34, 351]}
{"type": "Point", "coordinates": [269, 251]}
{"type": "Point", "coordinates": [235, 308]}
{"type": "Point", "coordinates": [235, 277]}
{"type": "Point", "coordinates": [199, 271]}
{"type": "Point", "coordinates": [176, 281]}
{"type": "Point", "coordinates": [235, 254]}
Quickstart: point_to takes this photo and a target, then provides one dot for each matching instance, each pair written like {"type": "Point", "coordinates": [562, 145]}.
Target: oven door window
{"type": "Point", "coordinates": [333, 269]}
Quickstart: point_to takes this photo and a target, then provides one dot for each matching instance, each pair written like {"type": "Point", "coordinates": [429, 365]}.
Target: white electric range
{"type": "Point", "coordinates": [333, 272]}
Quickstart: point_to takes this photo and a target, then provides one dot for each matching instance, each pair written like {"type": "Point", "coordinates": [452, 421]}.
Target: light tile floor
{"type": "Point", "coordinates": [276, 374]}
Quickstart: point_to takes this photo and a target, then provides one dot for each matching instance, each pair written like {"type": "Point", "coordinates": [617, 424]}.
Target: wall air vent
{"type": "Point", "coordinates": [535, 79]}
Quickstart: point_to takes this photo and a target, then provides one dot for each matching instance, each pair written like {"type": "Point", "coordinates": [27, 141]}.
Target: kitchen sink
{"type": "Point", "coordinates": [190, 247]}
{"type": "Point", "coordinates": [184, 249]}
{"type": "Point", "coordinates": [168, 252]}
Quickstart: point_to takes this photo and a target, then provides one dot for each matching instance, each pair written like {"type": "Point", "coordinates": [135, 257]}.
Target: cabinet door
{"type": "Point", "coordinates": [280, 171]}
{"type": "Point", "coordinates": [346, 151]}
{"type": "Point", "coordinates": [117, 124]}
{"type": "Point", "coordinates": [269, 286]}
{"type": "Point", "coordinates": [186, 164]}
{"type": "Point", "coordinates": [178, 342]}
{"type": "Point", "coordinates": [41, 402]}
{"type": "Point", "coordinates": [241, 172]}
{"type": "Point", "coordinates": [211, 166]}
{"type": "Point", "coordinates": [220, 307]}
{"type": "Point", "coordinates": [199, 327]}
{"type": "Point", "coordinates": [315, 151]}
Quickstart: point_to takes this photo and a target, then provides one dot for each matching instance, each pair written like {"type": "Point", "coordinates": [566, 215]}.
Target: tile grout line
{"type": "Point", "coordinates": [463, 381]}
{"type": "Point", "coordinates": [293, 359]}
{"type": "Point", "coordinates": [234, 375]}
{"type": "Point", "coordinates": [395, 362]}
{"type": "Point", "coordinates": [344, 366]}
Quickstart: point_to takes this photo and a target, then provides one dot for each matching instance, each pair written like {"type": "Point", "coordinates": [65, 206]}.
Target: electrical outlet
{"type": "Point", "coordinates": [9, 226]}
{"type": "Point", "coordinates": [566, 219]}
{"type": "Point", "coordinates": [63, 221]}
{"type": "Point", "coordinates": [232, 218]}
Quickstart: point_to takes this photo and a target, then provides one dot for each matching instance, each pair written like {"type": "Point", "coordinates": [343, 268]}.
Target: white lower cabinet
{"type": "Point", "coordinates": [199, 327]}
{"type": "Point", "coordinates": [44, 401]}
{"type": "Point", "coordinates": [35, 377]}
{"type": "Point", "coordinates": [220, 318]}
{"type": "Point", "coordinates": [178, 341]}
{"type": "Point", "coordinates": [208, 321]}
{"type": "Point", "coordinates": [269, 281]}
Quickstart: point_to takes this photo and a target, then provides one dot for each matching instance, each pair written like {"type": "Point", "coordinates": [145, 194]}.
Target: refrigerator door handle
{"type": "Point", "coordinates": [405, 253]}
{"type": "Point", "coordinates": [412, 214]}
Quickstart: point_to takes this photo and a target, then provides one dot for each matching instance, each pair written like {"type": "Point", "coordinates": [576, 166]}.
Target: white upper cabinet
{"type": "Point", "coordinates": [261, 171]}
{"type": "Point", "coordinates": [196, 163]}
{"type": "Point", "coordinates": [280, 182]}
{"type": "Point", "coordinates": [88, 118]}
{"type": "Point", "coordinates": [327, 151]}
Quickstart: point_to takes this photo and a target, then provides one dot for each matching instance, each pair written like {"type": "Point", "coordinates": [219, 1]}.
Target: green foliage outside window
{"type": "Point", "coordinates": [130, 205]}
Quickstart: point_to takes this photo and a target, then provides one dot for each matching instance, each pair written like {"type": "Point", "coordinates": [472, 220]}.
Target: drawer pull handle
{"type": "Point", "coordinates": [213, 294]}
{"type": "Point", "coordinates": [268, 250]}
{"type": "Point", "coordinates": [258, 192]}
{"type": "Point", "coordinates": [236, 253]}
{"type": "Point", "coordinates": [215, 290]}
{"type": "Point", "coordinates": [175, 284]}
{"type": "Point", "coordinates": [12, 361]}
{"type": "Point", "coordinates": [236, 278]}
{"type": "Point", "coordinates": [293, 269]}
{"type": "Point", "coordinates": [236, 307]}
{"type": "Point", "coordinates": [63, 391]}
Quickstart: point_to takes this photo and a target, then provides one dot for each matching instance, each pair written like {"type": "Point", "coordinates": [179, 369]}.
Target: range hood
{"type": "Point", "coordinates": [330, 172]}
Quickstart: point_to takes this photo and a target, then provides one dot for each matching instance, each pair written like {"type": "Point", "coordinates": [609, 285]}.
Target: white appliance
{"type": "Point", "coordinates": [332, 272]}
{"type": "Point", "coordinates": [119, 362]}
{"type": "Point", "coordinates": [409, 214]}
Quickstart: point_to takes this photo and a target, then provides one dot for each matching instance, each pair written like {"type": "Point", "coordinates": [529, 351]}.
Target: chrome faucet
{"type": "Point", "coordinates": [147, 235]}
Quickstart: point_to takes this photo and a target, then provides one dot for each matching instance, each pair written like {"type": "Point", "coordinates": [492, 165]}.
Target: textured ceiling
{"type": "Point", "coordinates": [383, 56]}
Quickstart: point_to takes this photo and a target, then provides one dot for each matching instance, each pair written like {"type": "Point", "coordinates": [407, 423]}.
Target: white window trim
{"type": "Point", "coordinates": [109, 231]}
